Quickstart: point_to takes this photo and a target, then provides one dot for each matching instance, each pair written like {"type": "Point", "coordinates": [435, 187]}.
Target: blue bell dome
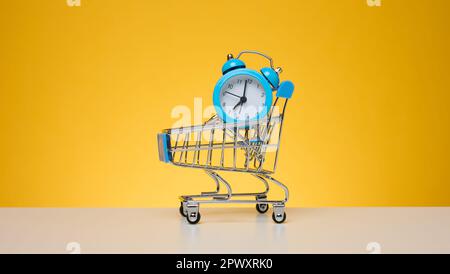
{"type": "Point", "coordinates": [232, 64]}
{"type": "Point", "coordinates": [272, 77]}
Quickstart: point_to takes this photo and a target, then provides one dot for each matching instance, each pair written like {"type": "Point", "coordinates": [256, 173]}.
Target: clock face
{"type": "Point", "coordinates": [242, 97]}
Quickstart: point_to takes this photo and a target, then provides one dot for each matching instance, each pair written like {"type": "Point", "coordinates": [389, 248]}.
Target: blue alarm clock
{"type": "Point", "coordinates": [243, 94]}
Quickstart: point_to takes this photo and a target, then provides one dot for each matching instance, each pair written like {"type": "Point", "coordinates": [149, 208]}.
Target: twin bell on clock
{"type": "Point", "coordinates": [243, 94]}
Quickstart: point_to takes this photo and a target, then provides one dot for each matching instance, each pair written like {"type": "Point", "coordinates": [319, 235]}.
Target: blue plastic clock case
{"type": "Point", "coordinates": [268, 78]}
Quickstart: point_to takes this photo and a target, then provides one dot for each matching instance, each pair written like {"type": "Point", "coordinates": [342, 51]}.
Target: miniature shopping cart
{"type": "Point", "coordinates": [249, 146]}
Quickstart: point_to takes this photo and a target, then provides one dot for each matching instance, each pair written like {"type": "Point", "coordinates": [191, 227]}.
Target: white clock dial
{"type": "Point", "coordinates": [242, 97]}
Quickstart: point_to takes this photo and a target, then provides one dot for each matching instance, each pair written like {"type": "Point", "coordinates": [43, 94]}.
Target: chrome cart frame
{"type": "Point", "coordinates": [248, 147]}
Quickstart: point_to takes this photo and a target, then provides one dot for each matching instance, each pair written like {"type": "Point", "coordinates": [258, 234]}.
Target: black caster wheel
{"type": "Point", "coordinates": [193, 219]}
{"type": "Point", "coordinates": [279, 219]}
{"type": "Point", "coordinates": [182, 210]}
{"type": "Point", "coordinates": [262, 208]}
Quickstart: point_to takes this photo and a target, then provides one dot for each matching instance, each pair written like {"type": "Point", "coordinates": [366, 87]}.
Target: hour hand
{"type": "Point", "coordinates": [233, 94]}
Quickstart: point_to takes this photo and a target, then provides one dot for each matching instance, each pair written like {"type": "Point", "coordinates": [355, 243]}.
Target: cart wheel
{"type": "Point", "coordinates": [182, 212]}
{"type": "Point", "coordinates": [262, 208]}
{"type": "Point", "coordinates": [278, 218]}
{"type": "Point", "coordinates": [193, 218]}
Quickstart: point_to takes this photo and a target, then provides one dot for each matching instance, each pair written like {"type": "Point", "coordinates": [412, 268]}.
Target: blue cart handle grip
{"type": "Point", "coordinates": [285, 90]}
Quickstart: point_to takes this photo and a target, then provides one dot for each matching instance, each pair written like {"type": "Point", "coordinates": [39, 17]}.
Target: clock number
{"type": "Point", "coordinates": [239, 81]}
{"type": "Point", "coordinates": [230, 86]}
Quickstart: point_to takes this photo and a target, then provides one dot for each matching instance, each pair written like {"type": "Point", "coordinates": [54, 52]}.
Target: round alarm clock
{"type": "Point", "coordinates": [243, 94]}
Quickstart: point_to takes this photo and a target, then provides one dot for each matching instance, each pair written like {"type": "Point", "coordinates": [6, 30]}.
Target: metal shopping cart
{"type": "Point", "coordinates": [245, 146]}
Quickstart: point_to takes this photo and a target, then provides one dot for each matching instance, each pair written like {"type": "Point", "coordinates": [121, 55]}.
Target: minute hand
{"type": "Point", "coordinates": [245, 89]}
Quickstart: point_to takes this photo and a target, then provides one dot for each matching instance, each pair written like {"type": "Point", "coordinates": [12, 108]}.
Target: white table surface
{"type": "Point", "coordinates": [225, 230]}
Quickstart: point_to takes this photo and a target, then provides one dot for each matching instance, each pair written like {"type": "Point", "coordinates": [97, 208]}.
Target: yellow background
{"type": "Point", "coordinates": [84, 91]}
